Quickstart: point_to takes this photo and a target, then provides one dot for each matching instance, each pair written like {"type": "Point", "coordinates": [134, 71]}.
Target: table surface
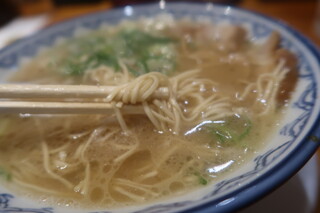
{"type": "Point", "coordinates": [299, 14]}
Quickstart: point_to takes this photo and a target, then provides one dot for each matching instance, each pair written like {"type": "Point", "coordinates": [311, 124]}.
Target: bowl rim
{"type": "Point", "coordinates": [277, 175]}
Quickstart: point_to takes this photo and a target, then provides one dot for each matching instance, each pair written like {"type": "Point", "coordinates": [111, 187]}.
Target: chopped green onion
{"type": "Point", "coordinates": [5, 174]}
{"type": "Point", "coordinates": [141, 52]}
{"type": "Point", "coordinates": [201, 179]}
{"type": "Point", "coordinates": [232, 129]}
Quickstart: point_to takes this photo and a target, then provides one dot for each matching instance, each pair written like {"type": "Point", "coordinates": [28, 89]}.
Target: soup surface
{"type": "Point", "coordinates": [226, 96]}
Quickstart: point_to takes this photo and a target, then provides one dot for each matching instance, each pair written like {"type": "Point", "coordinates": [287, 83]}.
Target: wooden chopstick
{"type": "Point", "coordinates": [41, 99]}
{"type": "Point", "coordinates": [64, 91]}
{"type": "Point", "coordinates": [14, 107]}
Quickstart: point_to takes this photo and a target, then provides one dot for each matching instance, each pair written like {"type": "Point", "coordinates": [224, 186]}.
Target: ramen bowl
{"type": "Point", "coordinates": [284, 153]}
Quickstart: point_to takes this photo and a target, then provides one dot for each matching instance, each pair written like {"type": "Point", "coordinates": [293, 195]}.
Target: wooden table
{"type": "Point", "coordinates": [299, 14]}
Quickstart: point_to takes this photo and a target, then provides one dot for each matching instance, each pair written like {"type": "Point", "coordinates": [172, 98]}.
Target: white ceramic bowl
{"type": "Point", "coordinates": [285, 153]}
